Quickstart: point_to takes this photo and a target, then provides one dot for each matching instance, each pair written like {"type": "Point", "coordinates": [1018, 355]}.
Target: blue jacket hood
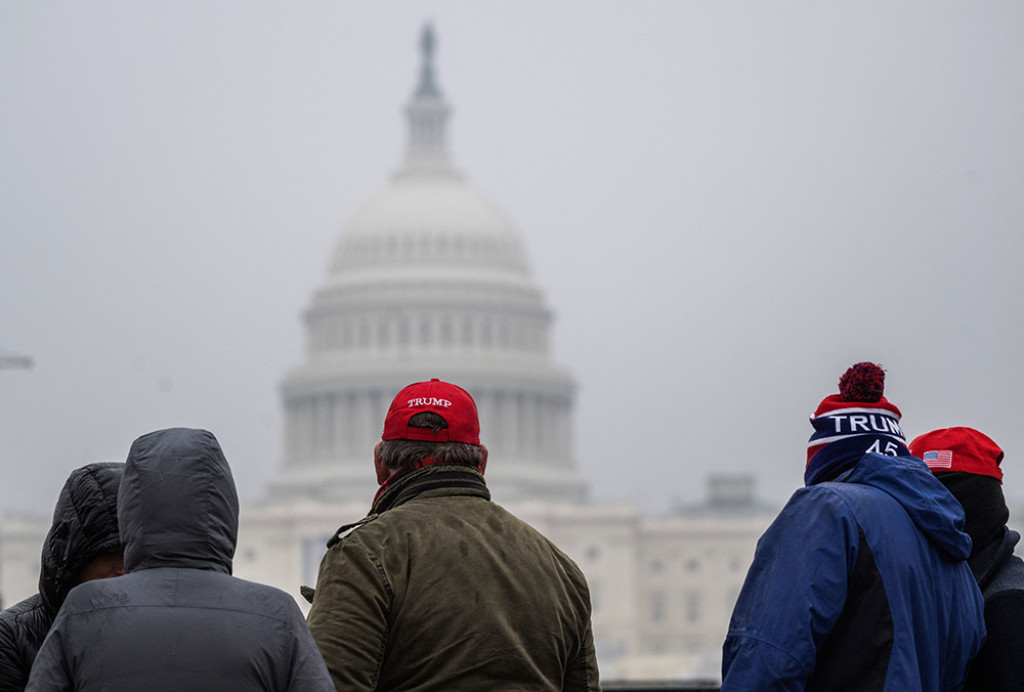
{"type": "Point", "coordinates": [930, 505]}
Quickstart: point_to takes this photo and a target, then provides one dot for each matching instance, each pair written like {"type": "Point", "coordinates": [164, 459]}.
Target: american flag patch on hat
{"type": "Point", "coordinates": [941, 459]}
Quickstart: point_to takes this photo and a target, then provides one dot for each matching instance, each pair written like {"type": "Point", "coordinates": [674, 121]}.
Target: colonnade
{"type": "Point", "coordinates": [384, 333]}
{"type": "Point", "coordinates": [339, 426]}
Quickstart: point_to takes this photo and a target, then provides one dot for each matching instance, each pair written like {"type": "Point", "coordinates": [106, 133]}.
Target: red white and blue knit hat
{"type": "Point", "coordinates": [852, 423]}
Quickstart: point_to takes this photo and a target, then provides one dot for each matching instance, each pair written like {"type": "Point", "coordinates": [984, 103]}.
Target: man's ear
{"type": "Point", "coordinates": [483, 458]}
{"type": "Point", "coordinates": [383, 472]}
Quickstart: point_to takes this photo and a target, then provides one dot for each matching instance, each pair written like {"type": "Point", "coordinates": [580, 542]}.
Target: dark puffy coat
{"type": "Point", "coordinates": [859, 584]}
{"type": "Point", "coordinates": [84, 526]}
{"type": "Point", "coordinates": [1000, 574]}
{"type": "Point", "coordinates": [178, 620]}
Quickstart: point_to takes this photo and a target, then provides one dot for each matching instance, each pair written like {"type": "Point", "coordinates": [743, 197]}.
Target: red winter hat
{"type": "Point", "coordinates": [959, 449]}
{"type": "Point", "coordinates": [449, 401]}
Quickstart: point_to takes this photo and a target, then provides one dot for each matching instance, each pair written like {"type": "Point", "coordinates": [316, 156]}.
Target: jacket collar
{"type": "Point", "coordinates": [447, 478]}
{"type": "Point", "coordinates": [989, 559]}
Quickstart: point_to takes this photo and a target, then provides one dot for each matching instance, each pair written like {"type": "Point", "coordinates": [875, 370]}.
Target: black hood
{"type": "Point", "coordinates": [178, 506]}
{"type": "Point", "coordinates": [84, 526]}
{"type": "Point", "coordinates": [984, 506]}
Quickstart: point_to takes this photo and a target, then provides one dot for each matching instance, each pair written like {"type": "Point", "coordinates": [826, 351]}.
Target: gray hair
{"type": "Point", "coordinates": [403, 454]}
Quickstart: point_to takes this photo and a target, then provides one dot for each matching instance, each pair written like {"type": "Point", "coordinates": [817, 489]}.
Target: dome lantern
{"type": "Point", "coordinates": [427, 115]}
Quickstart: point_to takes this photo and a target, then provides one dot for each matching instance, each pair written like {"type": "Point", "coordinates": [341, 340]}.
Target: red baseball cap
{"type": "Point", "coordinates": [959, 449]}
{"type": "Point", "coordinates": [451, 402]}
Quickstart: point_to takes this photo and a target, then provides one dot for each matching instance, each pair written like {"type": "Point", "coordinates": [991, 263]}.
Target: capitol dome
{"type": "Point", "coordinates": [428, 221]}
{"type": "Point", "coordinates": [428, 279]}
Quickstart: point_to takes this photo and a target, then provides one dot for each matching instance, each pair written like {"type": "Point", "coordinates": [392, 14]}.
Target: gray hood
{"type": "Point", "coordinates": [177, 506]}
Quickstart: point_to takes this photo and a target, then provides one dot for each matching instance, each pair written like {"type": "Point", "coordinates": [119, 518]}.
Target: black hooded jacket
{"type": "Point", "coordinates": [1000, 574]}
{"type": "Point", "coordinates": [84, 526]}
{"type": "Point", "coordinates": [177, 620]}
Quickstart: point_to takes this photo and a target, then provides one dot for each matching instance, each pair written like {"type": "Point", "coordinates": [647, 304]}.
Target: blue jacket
{"type": "Point", "coordinates": [859, 584]}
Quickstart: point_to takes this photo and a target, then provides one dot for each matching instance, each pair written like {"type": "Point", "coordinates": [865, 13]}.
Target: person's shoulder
{"type": "Point", "coordinates": [230, 594]}
{"type": "Point", "coordinates": [266, 593]}
{"type": "Point", "coordinates": [821, 497]}
{"type": "Point", "coordinates": [26, 620]}
{"type": "Point", "coordinates": [22, 610]}
{"type": "Point", "coordinates": [506, 517]}
{"type": "Point", "coordinates": [1003, 612]}
{"type": "Point", "coordinates": [1008, 579]}
{"type": "Point", "coordinates": [92, 595]}
{"type": "Point", "coordinates": [814, 509]}
{"type": "Point", "coordinates": [511, 523]}
{"type": "Point", "coordinates": [825, 490]}
{"type": "Point", "coordinates": [842, 494]}
{"type": "Point", "coordinates": [347, 530]}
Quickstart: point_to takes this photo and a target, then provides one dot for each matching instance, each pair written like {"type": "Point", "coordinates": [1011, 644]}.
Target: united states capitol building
{"type": "Point", "coordinates": [429, 279]}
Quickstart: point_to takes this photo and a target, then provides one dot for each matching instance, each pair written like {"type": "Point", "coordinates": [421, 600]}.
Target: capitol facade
{"type": "Point", "coordinates": [430, 279]}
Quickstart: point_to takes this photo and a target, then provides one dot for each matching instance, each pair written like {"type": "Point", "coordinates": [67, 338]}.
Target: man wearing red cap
{"type": "Point", "coordinates": [861, 582]}
{"type": "Point", "coordinates": [968, 463]}
{"type": "Point", "coordinates": [438, 588]}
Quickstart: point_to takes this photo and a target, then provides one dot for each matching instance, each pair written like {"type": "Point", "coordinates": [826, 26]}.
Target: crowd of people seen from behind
{"type": "Point", "coordinates": [893, 568]}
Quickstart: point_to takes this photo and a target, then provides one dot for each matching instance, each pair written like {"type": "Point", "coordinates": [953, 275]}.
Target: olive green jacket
{"type": "Point", "coordinates": [441, 589]}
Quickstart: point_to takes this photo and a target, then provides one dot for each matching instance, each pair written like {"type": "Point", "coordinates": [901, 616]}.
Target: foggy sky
{"type": "Point", "coordinates": [725, 204]}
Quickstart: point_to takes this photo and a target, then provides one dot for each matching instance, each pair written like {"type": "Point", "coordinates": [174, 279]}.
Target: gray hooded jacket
{"type": "Point", "coordinates": [178, 620]}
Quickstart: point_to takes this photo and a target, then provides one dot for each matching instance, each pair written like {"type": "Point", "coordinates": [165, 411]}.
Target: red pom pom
{"type": "Point", "coordinates": [862, 382]}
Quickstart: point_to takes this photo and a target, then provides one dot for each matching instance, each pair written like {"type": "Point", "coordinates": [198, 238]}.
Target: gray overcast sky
{"type": "Point", "coordinates": [726, 204]}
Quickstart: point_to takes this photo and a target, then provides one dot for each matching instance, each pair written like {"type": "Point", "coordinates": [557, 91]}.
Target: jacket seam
{"type": "Point", "coordinates": [386, 633]}
{"type": "Point", "coordinates": [770, 645]}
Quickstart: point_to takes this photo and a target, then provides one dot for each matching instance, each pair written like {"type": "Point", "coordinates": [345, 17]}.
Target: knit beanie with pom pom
{"type": "Point", "coordinates": [852, 423]}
